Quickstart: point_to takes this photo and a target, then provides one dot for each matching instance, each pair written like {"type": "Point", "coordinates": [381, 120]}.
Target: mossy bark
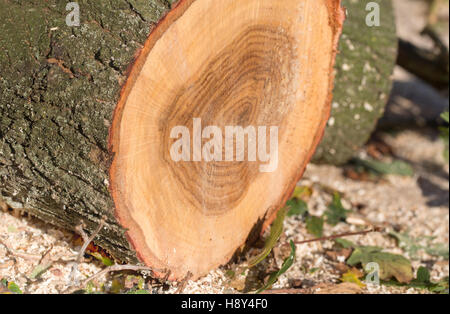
{"type": "Point", "coordinates": [59, 86]}
{"type": "Point", "coordinates": [363, 82]}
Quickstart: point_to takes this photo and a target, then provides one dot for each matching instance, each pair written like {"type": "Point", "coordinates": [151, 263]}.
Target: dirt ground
{"type": "Point", "coordinates": [39, 258]}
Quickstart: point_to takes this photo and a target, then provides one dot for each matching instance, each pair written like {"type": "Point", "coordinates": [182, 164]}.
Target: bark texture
{"type": "Point", "coordinates": [363, 81]}
{"type": "Point", "coordinates": [59, 86]}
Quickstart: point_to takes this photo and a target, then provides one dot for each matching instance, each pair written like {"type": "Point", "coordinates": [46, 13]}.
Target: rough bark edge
{"type": "Point", "coordinates": [336, 20]}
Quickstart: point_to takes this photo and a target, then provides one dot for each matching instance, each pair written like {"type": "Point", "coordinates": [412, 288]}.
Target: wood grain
{"type": "Point", "coordinates": [228, 62]}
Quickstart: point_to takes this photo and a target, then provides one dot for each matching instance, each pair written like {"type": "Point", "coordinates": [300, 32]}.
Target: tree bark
{"type": "Point", "coordinates": [364, 65]}
{"type": "Point", "coordinates": [60, 87]}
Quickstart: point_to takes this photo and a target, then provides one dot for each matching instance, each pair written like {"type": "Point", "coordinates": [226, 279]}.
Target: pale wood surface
{"type": "Point", "coordinates": [228, 62]}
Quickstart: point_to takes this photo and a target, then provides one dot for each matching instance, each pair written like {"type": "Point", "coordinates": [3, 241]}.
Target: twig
{"type": "Point", "coordinates": [90, 239]}
{"type": "Point", "coordinates": [431, 65]}
{"type": "Point", "coordinates": [166, 277]}
{"type": "Point", "coordinates": [80, 231]}
{"type": "Point", "coordinates": [19, 254]}
{"type": "Point", "coordinates": [337, 236]}
{"type": "Point", "coordinates": [438, 43]}
{"type": "Point", "coordinates": [105, 271]}
{"type": "Point", "coordinates": [7, 264]}
{"type": "Point", "coordinates": [183, 283]}
{"type": "Point", "coordinates": [46, 256]}
{"type": "Point", "coordinates": [87, 240]}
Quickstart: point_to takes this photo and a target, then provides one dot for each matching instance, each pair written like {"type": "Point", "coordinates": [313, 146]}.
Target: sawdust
{"type": "Point", "coordinates": [417, 204]}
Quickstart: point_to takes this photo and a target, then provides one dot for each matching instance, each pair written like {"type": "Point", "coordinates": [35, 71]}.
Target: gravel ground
{"type": "Point", "coordinates": [418, 204]}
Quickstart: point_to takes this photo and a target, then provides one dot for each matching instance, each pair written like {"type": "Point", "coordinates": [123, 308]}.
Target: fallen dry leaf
{"type": "Point", "coordinates": [352, 276]}
{"type": "Point", "coordinates": [390, 265]}
{"type": "Point", "coordinates": [378, 149]}
{"type": "Point", "coordinates": [339, 255]}
{"type": "Point", "coordinates": [341, 267]}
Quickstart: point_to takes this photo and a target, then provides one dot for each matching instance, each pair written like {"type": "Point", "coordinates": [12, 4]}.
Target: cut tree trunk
{"type": "Point", "coordinates": [82, 138]}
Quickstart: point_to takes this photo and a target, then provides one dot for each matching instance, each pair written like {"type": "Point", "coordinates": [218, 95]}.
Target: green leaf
{"type": "Point", "coordinates": [413, 245]}
{"type": "Point", "coordinates": [346, 244]}
{"type": "Point", "coordinates": [391, 265]}
{"type": "Point", "coordinates": [275, 232]}
{"type": "Point", "coordinates": [141, 283]}
{"type": "Point", "coordinates": [397, 167]}
{"type": "Point", "coordinates": [90, 288]}
{"type": "Point", "coordinates": [284, 268]}
{"type": "Point", "coordinates": [39, 270]}
{"type": "Point", "coordinates": [407, 243]}
{"type": "Point", "coordinates": [105, 260]}
{"type": "Point", "coordinates": [314, 225]}
{"type": "Point", "coordinates": [301, 192]}
{"type": "Point", "coordinates": [297, 207]}
{"type": "Point", "coordinates": [440, 250]}
{"type": "Point", "coordinates": [14, 288]}
{"type": "Point", "coordinates": [445, 116]}
{"type": "Point", "coordinates": [423, 275]}
{"type": "Point", "coordinates": [423, 281]}
{"type": "Point", "coordinates": [440, 287]}
{"type": "Point", "coordinates": [230, 273]}
{"type": "Point", "coordinates": [336, 212]}
{"type": "Point", "coordinates": [297, 204]}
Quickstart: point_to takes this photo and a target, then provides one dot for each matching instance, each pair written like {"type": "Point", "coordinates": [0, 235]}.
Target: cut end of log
{"type": "Point", "coordinates": [211, 76]}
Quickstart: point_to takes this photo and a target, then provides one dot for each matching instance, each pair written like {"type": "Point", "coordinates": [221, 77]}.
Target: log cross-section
{"type": "Point", "coordinates": [219, 64]}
